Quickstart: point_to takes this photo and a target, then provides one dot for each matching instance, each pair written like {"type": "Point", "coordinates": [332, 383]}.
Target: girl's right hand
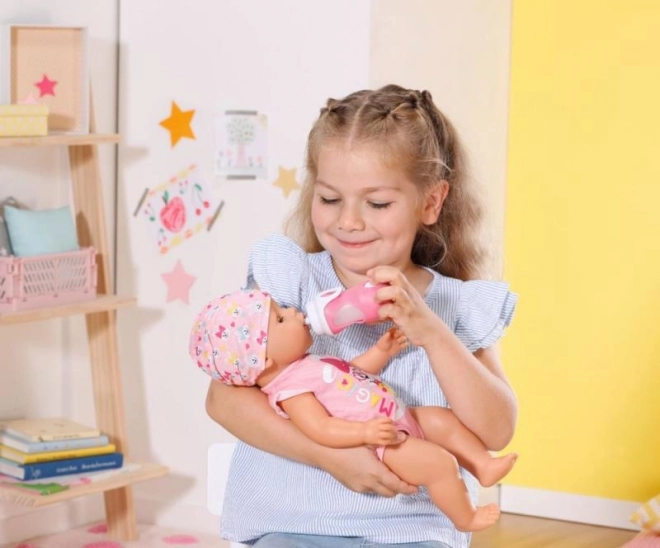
{"type": "Point", "coordinates": [404, 305]}
{"type": "Point", "coordinates": [359, 469]}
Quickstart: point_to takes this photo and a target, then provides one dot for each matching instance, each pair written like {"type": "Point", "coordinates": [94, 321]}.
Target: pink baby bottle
{"type": "Point", "coordinates": [333, 310]}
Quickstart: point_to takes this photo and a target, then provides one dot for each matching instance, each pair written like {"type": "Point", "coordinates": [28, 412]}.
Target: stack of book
{"type": "Point", "coordinates": [33, 449]}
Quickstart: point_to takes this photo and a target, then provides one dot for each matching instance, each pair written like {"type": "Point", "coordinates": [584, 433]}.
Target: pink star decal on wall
{"type": "Point", "coordinates": [46, 86]}
{"type": "Point", "coordinates": [178, 283]}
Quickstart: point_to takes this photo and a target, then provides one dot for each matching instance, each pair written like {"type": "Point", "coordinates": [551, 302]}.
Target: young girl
{"type": "Point", "coordinates": [386, 199]}
{"type": "Point", "coordinates": [244, 338]}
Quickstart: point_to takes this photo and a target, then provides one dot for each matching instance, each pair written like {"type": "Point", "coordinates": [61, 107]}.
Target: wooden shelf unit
{"type": "Point", "coordinates": [102, 303]}
{"type": "Point", "coordinates": [145, 472]}
{"type": "Point", "coordinates": [100, 316]}
{"type": "Point", "coordinates": [57, 139]}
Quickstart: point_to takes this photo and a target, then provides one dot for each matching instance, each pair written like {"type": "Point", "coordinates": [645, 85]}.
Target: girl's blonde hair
{"type": "Point", "coordinates": [419, 140]}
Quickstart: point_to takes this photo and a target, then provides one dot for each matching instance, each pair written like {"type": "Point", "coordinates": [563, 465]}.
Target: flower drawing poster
{"type": "Point", "coordinates": [178, 209]}
{"type": "Point", "coordinates": [241, 145]}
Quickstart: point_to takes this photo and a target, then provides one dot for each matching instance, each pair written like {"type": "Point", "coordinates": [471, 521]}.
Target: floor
{"type": "Point", "coordinates": [515, 531]}
{"type": "Point", "coordinates": [512, 531]}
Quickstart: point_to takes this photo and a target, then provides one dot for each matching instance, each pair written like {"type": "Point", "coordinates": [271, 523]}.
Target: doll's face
{"type": "Point", "coordinates": [288, 335]}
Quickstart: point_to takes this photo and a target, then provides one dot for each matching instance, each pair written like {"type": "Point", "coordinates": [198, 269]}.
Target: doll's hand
{"type": "Point", "coordinates": [381, 431]}
{"type": "Point", "coordinates": [392, 342]}
{"type": "Point", "coordinates": [360, 470]}
{"type": "Point", "coordinates": [404, 305]}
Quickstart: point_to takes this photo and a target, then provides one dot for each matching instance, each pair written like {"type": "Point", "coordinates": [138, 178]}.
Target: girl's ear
{"type": "Point", "coordinates": [435, 197]}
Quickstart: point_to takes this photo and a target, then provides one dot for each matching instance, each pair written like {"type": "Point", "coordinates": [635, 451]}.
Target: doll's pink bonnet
{"type": "Point", "coordinates": [228, 338]}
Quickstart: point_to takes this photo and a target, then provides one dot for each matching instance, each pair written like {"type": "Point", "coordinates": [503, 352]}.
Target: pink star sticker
{"type": "Point", "coordinates": [46, 86]}
{"type": "Point", "coordinates": [178, 283]}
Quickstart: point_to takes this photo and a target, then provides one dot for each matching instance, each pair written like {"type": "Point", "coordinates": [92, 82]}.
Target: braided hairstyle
{"type": "Point", "coordinates": [416, 138]}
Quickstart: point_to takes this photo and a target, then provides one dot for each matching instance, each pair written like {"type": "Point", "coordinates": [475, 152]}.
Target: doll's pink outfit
{"type": "Point", "coordinates": [344, 390]}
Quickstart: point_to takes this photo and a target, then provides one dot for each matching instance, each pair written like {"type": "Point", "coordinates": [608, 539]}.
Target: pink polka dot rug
{"type": "Point", "coordinates": [149, 536]}
{"type": "Point", "coordinates": [644, 540]}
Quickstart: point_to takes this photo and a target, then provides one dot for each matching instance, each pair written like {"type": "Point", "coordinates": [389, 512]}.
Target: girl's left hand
{"type": "Point", "coordinates": [403, 304]}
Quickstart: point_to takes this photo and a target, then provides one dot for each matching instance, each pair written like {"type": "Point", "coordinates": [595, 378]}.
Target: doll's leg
{"type": "Point", "coordinates": [442, 426]}
{"type": "Point", "coordinates": [420, 462]}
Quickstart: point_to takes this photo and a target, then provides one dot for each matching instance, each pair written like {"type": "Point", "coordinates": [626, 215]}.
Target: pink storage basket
{"type": "Point", "coordinates": [47, 280]}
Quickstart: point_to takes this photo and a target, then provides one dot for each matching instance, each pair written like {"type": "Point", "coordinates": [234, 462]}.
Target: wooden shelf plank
{"type": "Point", "coordinates": [146, 471]}
{"type": "Point", "coordinates": [60, 139]}
{"type": "Point", "coordinates": [102, 303]}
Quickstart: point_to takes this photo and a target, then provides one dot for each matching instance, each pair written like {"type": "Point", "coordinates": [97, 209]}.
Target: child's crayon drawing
{"type": "Point", "coordinates": [178, 209]}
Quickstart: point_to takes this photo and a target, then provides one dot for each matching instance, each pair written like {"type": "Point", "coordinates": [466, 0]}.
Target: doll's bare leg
{"type": "Point", "coordinates": [443, 427]}
{"type": "Point", "coordinates": [420, 462]}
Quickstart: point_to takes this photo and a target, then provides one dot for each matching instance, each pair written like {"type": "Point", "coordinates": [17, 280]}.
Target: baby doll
{"type": "Point", "coordinates": [245, 338]}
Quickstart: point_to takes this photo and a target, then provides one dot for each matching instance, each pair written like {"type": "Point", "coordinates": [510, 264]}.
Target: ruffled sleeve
{"type": "Point", "coordinates": [485, 310]}
{"type": "Point", "coordinates": [279, 266]}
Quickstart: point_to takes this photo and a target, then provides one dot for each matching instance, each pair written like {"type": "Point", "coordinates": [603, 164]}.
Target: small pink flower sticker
{"type": "Point", "coordinates": [181, 539]}
{"type": "Point", "coordinates": [98, 528]}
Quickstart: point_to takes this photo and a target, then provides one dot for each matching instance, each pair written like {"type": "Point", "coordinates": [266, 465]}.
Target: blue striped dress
{"type": "Point", "coordinates": [269, 494]}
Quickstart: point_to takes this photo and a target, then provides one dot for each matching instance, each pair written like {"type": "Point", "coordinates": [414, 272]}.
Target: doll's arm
{"type": "Point", "coordinates": [246, 413]}
{"type": "Point", "coordinates": [311, 418]}
{"type": "Point", "coordinates": [374, 359]}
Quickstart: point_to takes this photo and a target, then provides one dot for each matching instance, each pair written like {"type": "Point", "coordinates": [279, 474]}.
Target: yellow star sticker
{"type": "Point", "coordinates": [286, 180]}
{"type": "Point", "coordinates": [178, 124]}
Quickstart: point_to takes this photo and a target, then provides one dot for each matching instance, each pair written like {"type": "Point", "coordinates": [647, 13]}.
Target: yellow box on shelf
{"type": "Point", "coordinates": [23, 120]}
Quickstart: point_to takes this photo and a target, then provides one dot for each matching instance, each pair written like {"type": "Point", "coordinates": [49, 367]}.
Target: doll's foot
{"type": "Point", "coordinates": [495, 469]}
{"type": "Point", "coordinates": [484, 517]}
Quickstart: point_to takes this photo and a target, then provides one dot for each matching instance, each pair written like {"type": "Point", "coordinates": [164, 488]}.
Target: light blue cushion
{"type": "Point", "coordinates": [5, 246]}
{"type": "Point", "coordinates": [38, 232]}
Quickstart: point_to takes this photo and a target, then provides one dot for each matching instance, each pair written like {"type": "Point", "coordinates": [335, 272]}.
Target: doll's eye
{"type": "Point", "coordinates": [280, 319]}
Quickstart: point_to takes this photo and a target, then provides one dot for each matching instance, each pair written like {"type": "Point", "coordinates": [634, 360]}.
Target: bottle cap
{"type": "Point", "coordinates": [317, 322]}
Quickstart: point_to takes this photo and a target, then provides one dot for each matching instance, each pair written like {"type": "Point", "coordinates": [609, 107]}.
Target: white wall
{"type": "Point", "coordinates": [282, 58]}
{"type": "Point", "coordinates": [459, 51]}
{"type": "Point", "coordinates": [45, 367]}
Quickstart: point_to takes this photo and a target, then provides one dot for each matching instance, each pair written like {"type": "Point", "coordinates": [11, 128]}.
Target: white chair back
{"type": "Point", "coordinates": [219, 459]}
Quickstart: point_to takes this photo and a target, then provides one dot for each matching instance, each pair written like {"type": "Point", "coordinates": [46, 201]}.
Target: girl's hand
{"type": "Point", "coordinates": [403, 304]}
{"type": "Point", "coordinates": [392, 342]}
{"type": "Point", "coordinates": [359, 470]}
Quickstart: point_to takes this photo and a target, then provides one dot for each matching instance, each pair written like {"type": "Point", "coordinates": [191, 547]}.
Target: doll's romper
{"type": "Point", "coordinates": [344, 390]}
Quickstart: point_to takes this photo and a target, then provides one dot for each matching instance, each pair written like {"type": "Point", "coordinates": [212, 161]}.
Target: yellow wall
{"type": "Point", "coordinates": [583, 245]}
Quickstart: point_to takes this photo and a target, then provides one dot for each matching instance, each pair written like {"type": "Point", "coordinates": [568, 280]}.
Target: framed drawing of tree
{"type": "Point", "coordinates": [48, 65]}
{"type": "Point", "coordinates": [241, 145]}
